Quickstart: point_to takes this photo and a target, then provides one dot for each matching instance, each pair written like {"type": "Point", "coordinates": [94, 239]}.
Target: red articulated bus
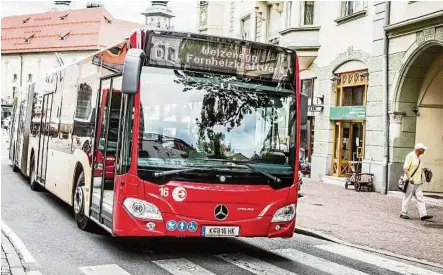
{"type": "Point", "coordinates": [169, 134]}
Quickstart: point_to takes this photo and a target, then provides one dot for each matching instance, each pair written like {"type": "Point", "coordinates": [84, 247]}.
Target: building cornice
{"type": "Point", "coordinates": [163, 13]}
{"type": "Point", "coordinates": [351, 17]}
{"type": "Point", "coordinates": [415, 24]}
{"type": "Point", "coordinates": [49, 50]}
{"type": "Point", "coordinates": [300, 29]}
{"type": "Point", "coordinates": [305, 48]}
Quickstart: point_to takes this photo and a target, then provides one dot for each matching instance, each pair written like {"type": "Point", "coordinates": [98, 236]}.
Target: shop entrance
{"type": "Point", "coordinates": [348, 147]}
{"type": "Point", "coordinates": [349, 118]}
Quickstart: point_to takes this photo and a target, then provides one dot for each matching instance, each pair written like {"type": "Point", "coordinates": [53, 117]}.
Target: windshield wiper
{"type": "Point", "coordinates": [274, 178]}
{"type": "Point", "coordinates": [245, 163]}
{"type": "Point", "coordinates": [171, 172]}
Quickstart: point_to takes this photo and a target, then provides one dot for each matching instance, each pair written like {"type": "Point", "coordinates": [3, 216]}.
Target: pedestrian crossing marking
{"type": "Point", "coordinates": [182, 266]}
{"type": "Point", "coordinates": [109, 269]}
{"type": "Point", "coordinates": [316, 262]}
{"type": "Point", "coordinates": [373, 259]}
{"type": "Point", "coordinates": [254, 265]}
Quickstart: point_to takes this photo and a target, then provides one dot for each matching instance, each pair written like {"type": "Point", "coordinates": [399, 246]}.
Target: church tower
{"type": "Point", "coordinates": [158, 16]}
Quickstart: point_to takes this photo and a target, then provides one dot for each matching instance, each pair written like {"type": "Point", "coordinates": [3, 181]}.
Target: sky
{"type": "Point", "coordinates": [184, 10]}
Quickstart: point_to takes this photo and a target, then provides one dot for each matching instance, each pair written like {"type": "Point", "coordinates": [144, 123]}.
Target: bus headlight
{"type": "Point", "coordinates": [285, 213]}
{"type": "Point", "coordinates": [142, 209]}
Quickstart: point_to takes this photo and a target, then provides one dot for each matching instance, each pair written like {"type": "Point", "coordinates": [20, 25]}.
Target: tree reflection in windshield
{"type": "Point", "coordinates": [189, 116]}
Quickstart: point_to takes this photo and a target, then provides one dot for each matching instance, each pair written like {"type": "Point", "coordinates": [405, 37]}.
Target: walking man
{"type": "Point", "coordinates": [412, 168]}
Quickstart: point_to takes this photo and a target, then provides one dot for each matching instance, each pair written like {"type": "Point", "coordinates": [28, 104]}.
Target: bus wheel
{"type": "Point", "coordinates": [14, 167]}
{"type": "Point", "coordinates": [32, 178]}
{"type": "Point", "coordinates": [83, 222]}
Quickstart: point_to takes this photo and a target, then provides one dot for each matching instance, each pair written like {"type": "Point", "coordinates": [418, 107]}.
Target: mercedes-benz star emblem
{"type": "Point", "coordinates": [221, 212]}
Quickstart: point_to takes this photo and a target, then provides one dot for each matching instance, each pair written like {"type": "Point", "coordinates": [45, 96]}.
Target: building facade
{"type": "Point", "coordinates": [415, 81]}
{"type": "Point", "coordinates": [372, 71]}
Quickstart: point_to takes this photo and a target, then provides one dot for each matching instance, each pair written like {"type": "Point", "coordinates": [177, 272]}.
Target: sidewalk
{"type": "Point", "coordinates": [370, 219]}
{"type": "Point", "coordinates": [11, 264]}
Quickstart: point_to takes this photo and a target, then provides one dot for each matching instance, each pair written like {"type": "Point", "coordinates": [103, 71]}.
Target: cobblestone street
{"type": "Point", "coordinates": [371, 219]}
{"type": "Point", "coordinates": [11, 264]}
{"type": "Point", "coordinates": [5, 265]}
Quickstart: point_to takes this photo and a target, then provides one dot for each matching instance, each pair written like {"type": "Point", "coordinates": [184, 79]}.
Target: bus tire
{"type": "Point", "coordinates": [35, 186]}
{"type": "Point", "coordinates": [14, 167]}
{"type": "Point", "coordinates": [83, 222]}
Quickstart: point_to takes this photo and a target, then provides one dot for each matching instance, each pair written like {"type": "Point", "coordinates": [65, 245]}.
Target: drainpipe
{"type": "Point", "coordinates": [21, 69]}
{"type": "Point", "coordinates": [385, 68]}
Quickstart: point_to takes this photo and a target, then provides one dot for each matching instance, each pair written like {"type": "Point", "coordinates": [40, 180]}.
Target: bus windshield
{"type": "Point", "coordinates": [194, 119]}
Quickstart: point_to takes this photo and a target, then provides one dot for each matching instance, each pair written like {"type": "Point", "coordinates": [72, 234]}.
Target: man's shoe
{"type": "Point", "coordinates": [427, 217]}
{"type": "Point", "coordinates": [404, 216]}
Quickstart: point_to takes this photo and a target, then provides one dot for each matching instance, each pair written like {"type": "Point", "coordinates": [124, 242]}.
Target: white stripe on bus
{"type": "Point", "coordinates": [182, 266]}
{"type": "Point", "coordinates": [254, 265]}
{"type": "Point", "coordinates": [316, 262]}
{"type": "Point", "coordinates": [109, 269]}
{"type": "Point", "coordinates": [373, 259]}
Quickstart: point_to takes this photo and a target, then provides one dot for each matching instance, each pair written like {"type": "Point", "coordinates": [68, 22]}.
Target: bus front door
{"type": "Point", "coordinates": [45, 126]}
{"type": "Point", "coordinates": [105, 149]}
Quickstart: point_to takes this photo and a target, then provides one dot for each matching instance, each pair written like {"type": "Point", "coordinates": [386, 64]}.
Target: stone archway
{"type": "Point", "coordinates": [412, 73]}
{"type": "Point", "coordinates": [417, 99]}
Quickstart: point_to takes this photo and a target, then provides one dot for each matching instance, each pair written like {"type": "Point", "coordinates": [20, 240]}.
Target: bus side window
{"type": "Point", "coordinates": [125, 141]}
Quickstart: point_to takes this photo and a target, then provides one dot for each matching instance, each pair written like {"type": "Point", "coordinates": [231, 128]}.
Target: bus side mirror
{"type": "Point", "coordinates": [304, 109]}
{"type": "Point", "coordinates": [131, 70]}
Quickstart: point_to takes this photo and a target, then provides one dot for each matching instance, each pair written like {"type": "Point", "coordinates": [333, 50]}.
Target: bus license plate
{"type": "Point", "coordinates": [220, 231]}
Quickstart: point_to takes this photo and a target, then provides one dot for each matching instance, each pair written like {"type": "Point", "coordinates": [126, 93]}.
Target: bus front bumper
{"type": "Point", "coordinates": [178, 226]}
